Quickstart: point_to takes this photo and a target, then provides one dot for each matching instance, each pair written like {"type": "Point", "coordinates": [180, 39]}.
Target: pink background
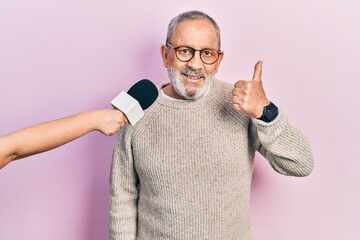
{"type": "Point", "coordinates": [62, 57]}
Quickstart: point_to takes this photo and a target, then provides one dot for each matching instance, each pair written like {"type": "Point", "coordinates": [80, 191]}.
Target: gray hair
{"type": "Point", "coordinates": [189, 16]}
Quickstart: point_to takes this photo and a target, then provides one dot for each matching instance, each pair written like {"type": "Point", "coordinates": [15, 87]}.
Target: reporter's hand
{"type": "Point", "coordinates": [109, 121]}
{"type": "Point", "coordinates": [249, 96]}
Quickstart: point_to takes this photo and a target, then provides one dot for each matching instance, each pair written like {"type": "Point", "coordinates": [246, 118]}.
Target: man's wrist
{"type": "Point", "coordinates": [270, 112]}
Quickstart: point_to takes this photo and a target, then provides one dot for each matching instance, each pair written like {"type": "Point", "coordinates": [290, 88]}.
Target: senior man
{"type": "Point", "coordinates": [184, 170]}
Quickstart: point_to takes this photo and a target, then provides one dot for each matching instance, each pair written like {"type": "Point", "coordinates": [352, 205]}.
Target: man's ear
{"type": "Point", "coordinates": [164, 54]}
{"type": "Point", "coordinates": [218, 62]}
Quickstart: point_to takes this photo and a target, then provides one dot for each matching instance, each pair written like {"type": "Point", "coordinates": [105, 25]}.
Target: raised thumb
{"type": "Point", "coordinates": [257, 71]}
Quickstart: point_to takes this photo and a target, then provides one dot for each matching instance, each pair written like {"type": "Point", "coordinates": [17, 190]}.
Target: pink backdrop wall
{"type": "Point", "coordinates": [58, 58]}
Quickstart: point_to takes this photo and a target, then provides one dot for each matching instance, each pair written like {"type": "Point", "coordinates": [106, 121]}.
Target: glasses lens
{"type": "Point", "coordinates": [184, 53]}
{"type": "Point", "coordinates": [209, 56]}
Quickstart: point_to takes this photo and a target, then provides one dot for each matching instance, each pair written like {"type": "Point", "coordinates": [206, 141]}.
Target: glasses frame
{"type": "Point", "coordinates": [194, 50]}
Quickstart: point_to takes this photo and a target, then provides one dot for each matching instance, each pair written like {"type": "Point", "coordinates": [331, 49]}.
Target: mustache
{"type": "Point", "coordinates": [190, 71]}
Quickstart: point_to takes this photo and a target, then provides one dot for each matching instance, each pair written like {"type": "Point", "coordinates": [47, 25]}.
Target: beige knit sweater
{"type": "Point", "coordinates": [184, 170]}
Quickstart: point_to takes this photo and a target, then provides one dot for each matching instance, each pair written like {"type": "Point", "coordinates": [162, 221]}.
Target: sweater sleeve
{"type": "Point", "coordinates": [285, 147]}
{"type": "Point", "coordinates": [123, 189]}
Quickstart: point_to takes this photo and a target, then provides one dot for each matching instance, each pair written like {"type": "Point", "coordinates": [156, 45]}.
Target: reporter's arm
{"type": "Point", "coordinates": [49, 135]}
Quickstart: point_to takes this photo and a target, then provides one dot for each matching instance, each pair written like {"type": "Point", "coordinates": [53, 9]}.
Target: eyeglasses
{"type": "Point", "coordinates": [184, 54]}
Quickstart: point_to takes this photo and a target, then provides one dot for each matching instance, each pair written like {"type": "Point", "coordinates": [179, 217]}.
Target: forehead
{"type": "Point", "coordinates": [197, 33]}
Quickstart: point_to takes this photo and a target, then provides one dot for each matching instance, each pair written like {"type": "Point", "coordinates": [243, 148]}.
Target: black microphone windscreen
{"type": "Point", "coordinates": [145, 92]}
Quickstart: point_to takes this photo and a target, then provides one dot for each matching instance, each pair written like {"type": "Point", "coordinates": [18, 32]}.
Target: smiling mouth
{"type": "Point", "coordinates": [193, 77]}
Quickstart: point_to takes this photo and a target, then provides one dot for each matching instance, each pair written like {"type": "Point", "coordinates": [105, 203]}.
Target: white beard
{"type": "Point", "coordinates": [174, 75]}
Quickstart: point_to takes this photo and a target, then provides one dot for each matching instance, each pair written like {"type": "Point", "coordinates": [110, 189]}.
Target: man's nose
{"type": "Point", "coordinates": [196, 62]}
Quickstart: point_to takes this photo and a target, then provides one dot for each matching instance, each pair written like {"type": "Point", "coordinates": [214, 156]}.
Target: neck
{"type": "Point", "coordinates": [170, 91]}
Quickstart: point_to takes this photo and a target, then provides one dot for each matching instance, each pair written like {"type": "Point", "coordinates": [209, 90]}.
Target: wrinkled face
{"type": "Point", "coordinates": [191, 80]}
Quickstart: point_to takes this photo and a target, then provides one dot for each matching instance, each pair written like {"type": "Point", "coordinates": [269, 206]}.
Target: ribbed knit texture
{"type": "Point", "coordinates": [184, 170]}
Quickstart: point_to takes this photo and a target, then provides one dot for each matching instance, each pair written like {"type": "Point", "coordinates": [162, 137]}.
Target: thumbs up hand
{"type": "Point", "coordinates": [249, 96]}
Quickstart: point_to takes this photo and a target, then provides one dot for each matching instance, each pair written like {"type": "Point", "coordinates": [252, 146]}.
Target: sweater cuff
{"type": "Point", "coordinates": [268, 132]}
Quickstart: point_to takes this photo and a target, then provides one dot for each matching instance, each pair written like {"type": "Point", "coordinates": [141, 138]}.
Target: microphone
{"type": "Point", "coordinates": [138, 98]}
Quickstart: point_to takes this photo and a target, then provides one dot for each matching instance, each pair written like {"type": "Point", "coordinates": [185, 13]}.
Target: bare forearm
{"type": "Point", "coordinates": [49, 135]}
{"type": "Point", "coordinates": [45, 136]}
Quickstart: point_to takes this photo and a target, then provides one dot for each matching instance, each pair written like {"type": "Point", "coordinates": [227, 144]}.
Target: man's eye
{"type": "Point", "coordinates": [184, 51]}
{"type": "Point", "coordinates": [207, 53]}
